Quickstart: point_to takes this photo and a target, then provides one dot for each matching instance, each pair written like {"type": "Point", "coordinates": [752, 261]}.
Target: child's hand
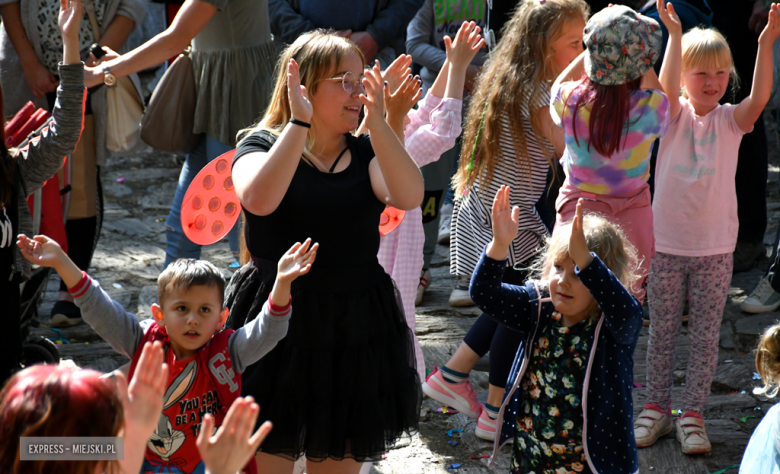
{"type": "Point", "coordinates": [464, 47]}
{"type": "Point", "coordinates": [669, 17]}
{"type": "Point", "coordinates": [578, 246]}
{"type": "Point", "coordinates": [399, 103]}
{"type": "Point", "coordinates": [143, 398]}
{"type": "Point", "coordinates": [231, 447]}
{"type": "Point", "coordinates": [772, 28]}
{"type": "Point", "coordinates": [397, 72]}
{"type": "Point", "coordinates": [41, 250]}
{"type": "Point", "coordinates": [297, 261]}
{"type": "Point", "coordinates": [374, 98]}
{"type": "Point", "coordinates": [300, 107]}
{"type": "Point", "coordinates": [505, 218]}
{"type": "Point", "coordinates": [71, 13]}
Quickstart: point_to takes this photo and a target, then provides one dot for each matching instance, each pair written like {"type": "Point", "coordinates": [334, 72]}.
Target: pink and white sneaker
{"type": "Point", "coordinates": [486, 428]}
{"type": "Point", "coordinates": [460, 396]}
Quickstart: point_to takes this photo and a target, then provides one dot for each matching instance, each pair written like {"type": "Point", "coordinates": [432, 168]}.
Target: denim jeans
{"type": "Point", "coordinates": [177, 245]}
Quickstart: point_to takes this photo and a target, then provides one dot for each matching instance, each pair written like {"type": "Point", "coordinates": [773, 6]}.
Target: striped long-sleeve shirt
{"type": "Point", "coordinates": [471, 218]}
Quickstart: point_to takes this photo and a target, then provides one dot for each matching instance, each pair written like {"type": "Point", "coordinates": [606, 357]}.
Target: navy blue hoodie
{"type": "Point", "coordinates": [607, 403]}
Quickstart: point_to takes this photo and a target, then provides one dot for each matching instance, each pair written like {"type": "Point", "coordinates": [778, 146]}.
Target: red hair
{"type": "Point", "coordinates": [609, 108]}
{"type": "Point", "coordinates": [47, 400]}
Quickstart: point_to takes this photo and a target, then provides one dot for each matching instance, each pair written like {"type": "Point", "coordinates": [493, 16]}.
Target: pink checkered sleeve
{"type": "Point", "coordinates": [426, 141]}
{"type": "Point", "coordinates": [422, 115]}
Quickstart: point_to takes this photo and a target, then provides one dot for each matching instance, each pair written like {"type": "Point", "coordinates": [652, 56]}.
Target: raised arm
{"type": "Point", "coordinates": [262, 179]}
{"type": "Point", "coordinates": [751, 107]}
{"type": "Point", "coordinates": [395, 178]}
{"type": "Point", "coordinates": [671, 69]}
{"type": "Point", "coordinates": [192, 17]}
{"type": "Point", "coordinates": [623, 312]}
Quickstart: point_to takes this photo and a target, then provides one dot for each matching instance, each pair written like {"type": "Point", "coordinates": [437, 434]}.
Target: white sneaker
{"type": "Point", "coordinates": [425, 282]}
{"type": "Point", "coordinates": [763, 299]}
{"type": "Point", "coordinates": [650, 425]}
{"type": "Point", "coordinates": [692, 435]}
{"type": "Point", "coordinates": [460, 295]}
{"type": "Point", "coordinates": [444, 224]}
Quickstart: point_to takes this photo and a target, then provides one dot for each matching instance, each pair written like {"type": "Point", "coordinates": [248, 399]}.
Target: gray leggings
{"type": "Point", "coordinates": [705, 281]}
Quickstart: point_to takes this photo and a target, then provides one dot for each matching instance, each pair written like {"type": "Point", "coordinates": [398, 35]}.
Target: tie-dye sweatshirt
{"type": "Point", "coordinates": [629, 167]}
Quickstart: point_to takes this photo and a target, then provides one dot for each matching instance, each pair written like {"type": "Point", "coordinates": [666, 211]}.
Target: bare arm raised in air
{"type": "Point", "coordinates": [751, 107]}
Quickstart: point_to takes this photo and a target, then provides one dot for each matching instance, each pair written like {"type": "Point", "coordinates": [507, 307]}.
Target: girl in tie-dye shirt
{"type": "Point", "coordinates": [612, 108]}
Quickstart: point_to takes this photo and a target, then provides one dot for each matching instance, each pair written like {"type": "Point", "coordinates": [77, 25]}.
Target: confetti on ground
{"type": "Point", "coordinates": [455, 430]}
{"type": "Point", "coordinates": [452, 442]}
{"type": "Point", "coordinates": [722, 471]}
{"type": "Point", "coordinates": [745, 418]}
{"type": "Point", "coordinates": [120, 180]}
{"type": "Point", "coordinates": [756, 376]}
{"type": "Point", "coordinates": [447, 411]}
{"type": "Point", "coordinates": [727, 361]}
{"type": "Point", "coordinates": [453, 466]}
{"type": "Point", "coordinates": [481, 456]}
{"type": "Point", "coordinates": [117, 285]}
{"type": "Point", "coordinates": [638, 385]}
{"type": "Point", "coordinates": [651, 468]}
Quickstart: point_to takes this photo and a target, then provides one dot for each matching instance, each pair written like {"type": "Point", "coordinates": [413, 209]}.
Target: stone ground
{"type": "Point", "coordinates": [130, 256]}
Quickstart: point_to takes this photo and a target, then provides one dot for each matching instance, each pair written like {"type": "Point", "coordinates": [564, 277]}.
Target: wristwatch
{"type": "Point", "coordinates": [108, 78]}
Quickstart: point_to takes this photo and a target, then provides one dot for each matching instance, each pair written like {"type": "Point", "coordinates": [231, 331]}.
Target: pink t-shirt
{"type": "Point", "coordinates": [695, 202]}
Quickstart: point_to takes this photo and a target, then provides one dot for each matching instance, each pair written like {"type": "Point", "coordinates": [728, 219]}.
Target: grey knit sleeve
{"type": "Point", "coordinates": [41, 160]}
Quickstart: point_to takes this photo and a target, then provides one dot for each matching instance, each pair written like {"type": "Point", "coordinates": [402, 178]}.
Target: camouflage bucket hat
{"type": "Point", "coordinates": [622, 45]}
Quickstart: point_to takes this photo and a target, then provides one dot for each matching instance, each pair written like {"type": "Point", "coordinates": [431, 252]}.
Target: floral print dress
{"type": "Point", "coordinates": [549, 425]}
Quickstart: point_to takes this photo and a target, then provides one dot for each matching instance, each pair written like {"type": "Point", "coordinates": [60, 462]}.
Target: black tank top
{"type": "Point", "coordinates": [338, 210]}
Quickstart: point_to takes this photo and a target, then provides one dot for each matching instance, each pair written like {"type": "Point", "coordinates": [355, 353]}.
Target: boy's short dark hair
{"type": "Point", "coordinates": [188, 272]}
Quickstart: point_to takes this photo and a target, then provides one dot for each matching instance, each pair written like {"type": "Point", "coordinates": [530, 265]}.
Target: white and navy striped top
{"type": "Point", "coordinates": [471, 219]}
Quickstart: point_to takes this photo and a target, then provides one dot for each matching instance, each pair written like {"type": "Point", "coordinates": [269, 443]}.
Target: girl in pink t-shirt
{"type": "Point", "coordinates": [695, 217]}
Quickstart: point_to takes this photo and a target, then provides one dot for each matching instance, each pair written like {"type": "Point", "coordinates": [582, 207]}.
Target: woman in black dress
{"type": "Point", "coordinates": [342, 386]}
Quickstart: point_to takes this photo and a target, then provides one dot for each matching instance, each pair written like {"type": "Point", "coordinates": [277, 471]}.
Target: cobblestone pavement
{"type": "Point", "coordinates": [130, 256]}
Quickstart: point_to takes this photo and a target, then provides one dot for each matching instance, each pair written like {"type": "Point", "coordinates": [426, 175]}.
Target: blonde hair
{"type": "Point", "coordinates": [604, 238]}
{"type": "Point", "coordinates": [707, 48]}
{"type": "Point", "coordinates": [318, 54]}
{"type": "Point", "coordinates": [768, 361]}
{"type": "Point", "coordinates": [519, 66]}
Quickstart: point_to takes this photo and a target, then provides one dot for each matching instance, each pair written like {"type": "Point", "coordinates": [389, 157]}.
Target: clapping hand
{"type": "Point", "coordinates": [297, 261]}
{"type": "Point", "coordinates": [462, 49]}
{"type": "Point", "coordinates": [374, 97]}
{"type": "Point", "coordinates": [397, 72]}
{"type": "Point", "coordinates": [772, 28]}
{"type": "Point", "coordinates": [233, 445]}
{"type": "Point", "coordinates": [71, 13]}
{"type": "Point", "coordinates": [669, 17]}
{"type": "Point", "coordinates": [143, 398]}
{"type": "Point", "coordinates": [505, 218]}
{"type": "Point", "coordinates": [578, 246]}
{"type": "Point", "coordinates": [300, 106]}
{"type": "Point", "coordinates": [403, 99]}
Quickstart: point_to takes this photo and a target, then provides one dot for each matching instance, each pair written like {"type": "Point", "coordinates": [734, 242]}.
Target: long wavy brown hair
{"type": "Point", "coordinates": [48, 400]}
{"type": "Point", "coordinates": [521, 63]}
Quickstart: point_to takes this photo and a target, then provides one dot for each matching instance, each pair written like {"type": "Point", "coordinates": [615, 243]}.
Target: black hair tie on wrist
{"type": "Point", "coordinates": [300, 122]}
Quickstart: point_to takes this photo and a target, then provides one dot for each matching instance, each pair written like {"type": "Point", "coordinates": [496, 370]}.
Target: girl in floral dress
{"type": "Point", "coordinates": [582, 325]}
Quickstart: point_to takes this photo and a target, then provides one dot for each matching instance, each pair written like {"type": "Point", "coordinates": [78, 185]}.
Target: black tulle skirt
{"type": "Point", "coordinates": [342, 383]}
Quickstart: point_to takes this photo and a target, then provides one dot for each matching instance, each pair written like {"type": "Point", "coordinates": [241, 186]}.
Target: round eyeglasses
{"type": "Point", "coordinates": [350, 85]}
